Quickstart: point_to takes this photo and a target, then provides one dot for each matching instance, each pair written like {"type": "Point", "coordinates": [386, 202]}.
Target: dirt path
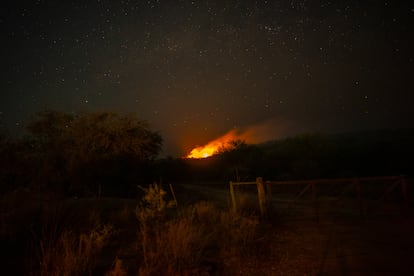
{"type": "Point", "coordinates": [376, 247]}
{"type": "Point", "coordinates": [217, 193]}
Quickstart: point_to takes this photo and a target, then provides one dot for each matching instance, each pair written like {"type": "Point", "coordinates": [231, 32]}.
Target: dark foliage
{"type": "Point", "coordinates": [108, 154]}
{"type": "Point", "coordinates": [375, 153]}
{"type": "Point", "coordinates": [88, 154]}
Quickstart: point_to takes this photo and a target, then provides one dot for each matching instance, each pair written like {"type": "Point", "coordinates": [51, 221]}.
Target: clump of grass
{"type": "Point", "coordinates": [71, 254]}
{"type": "Point", "coordinates": [183, 243]}
{"type": "Point", "coordinates": [154, 203]}
{"type": "Point", "coordinates": [151, 214]}
{"type": "Point", "coordinates": [206, 212]}
{"type": "Point", "coordinates": [237, 232]}
{"type": "Point", "coordinates": [118, 269]}
{"type": "Point", "coordinates": [178, 248]}
{"type": "Point", "coordinates": [247, 205]}
{"type": "Point", "coordinates": [230, 229]}
{"type": "Point", "coordinates": [94, 218]}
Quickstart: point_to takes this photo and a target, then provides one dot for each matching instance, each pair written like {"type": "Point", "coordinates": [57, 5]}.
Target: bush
{"type": "Point", "coordinates": [72, 254]}
{"type": "Point", "coordinates": [192, 240]}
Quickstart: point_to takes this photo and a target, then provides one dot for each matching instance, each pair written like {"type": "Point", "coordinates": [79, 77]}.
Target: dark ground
{"type": "Point", "coordinates": [339, 241]}
{"type": "Point", "coordinates": [292, 239]}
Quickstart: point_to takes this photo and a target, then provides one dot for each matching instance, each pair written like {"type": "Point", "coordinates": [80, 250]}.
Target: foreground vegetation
{"type": "Point", "coordinates": [154, 236]}
{"type": "Point", "coordinates": [114, 237]}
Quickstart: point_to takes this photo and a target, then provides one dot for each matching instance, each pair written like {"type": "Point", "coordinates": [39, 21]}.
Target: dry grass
{"type": "Point", "coordinates": [94, 218]}
{"type": "Point", "coordinates": [185, 243]}
{"type": "Point", "coordinates": [68, 238]}
{"type": "Point", "coordinates": [71, 254]}
{"type": "Point", "coordinates": [177, 248]}
{"type": "Point", "coordinates": [247, 204]}
{"type": "Point", "coordinates": [118, 269]}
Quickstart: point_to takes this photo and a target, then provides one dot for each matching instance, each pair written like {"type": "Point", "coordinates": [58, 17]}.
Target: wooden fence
{"type": "Point", "coordinates": [264, 189]}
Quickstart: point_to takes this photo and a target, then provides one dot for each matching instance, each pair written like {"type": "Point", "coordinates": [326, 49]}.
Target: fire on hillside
{"type": "Point", "coordinates": [215, 146]}
{"type": "Point", "coordinates": [254, 134]}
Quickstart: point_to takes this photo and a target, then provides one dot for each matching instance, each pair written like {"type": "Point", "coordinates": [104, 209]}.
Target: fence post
{"type": "Point", "coordinates": [173, 194]}
{"type": "Point", "coordinates": [261, 195]}
{"type": "Point", "coordinates": [233, 197]}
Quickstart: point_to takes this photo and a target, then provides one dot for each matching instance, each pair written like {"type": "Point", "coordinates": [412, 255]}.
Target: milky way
{"type": "Point", "coordinates": [196, 69]}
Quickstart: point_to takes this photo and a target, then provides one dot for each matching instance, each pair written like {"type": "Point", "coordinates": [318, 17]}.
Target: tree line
{"type": "Point", "coordinates": [109, 154]}
{"type": "Point", "coordinates": [307, 156]}
{"type": "Point", "coordinates": [67, 154]}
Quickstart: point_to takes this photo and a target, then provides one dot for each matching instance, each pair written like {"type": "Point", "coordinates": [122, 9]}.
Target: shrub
{"type": "Point", "coordinates": [72, 254]}
{"type": "Point", "coordinates": [118, 269]}
{"type": "Point", "coordinates": [193, 237]}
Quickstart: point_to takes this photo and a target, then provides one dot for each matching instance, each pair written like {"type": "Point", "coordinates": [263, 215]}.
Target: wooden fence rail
{"type": "Point", "coordinates": [265, 195]}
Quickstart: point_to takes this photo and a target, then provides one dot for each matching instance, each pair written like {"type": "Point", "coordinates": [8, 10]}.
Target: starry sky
{"type": "Point", "coordinates": [197, 69]}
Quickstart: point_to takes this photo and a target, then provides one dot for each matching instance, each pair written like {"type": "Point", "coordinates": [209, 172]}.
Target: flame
{"type": "Point", "coordinates": [213, 147]}
{"type": "Point", "coordinates": [258, 133]}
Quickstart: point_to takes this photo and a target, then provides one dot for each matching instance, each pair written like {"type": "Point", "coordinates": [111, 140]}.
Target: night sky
{"type": "Point", "coordinates": [197, 69]}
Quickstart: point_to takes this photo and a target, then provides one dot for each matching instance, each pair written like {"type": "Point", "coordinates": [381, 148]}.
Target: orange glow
{"type": "Point", "coordinates": [258, 133]}
{"type": "Point", "coordinates": [213, 147]}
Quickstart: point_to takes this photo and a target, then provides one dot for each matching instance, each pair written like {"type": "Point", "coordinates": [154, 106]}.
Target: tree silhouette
{"type": "Point", "coordinates": [79, 148]}
{"type": "Point", "coordinates": [241, 158]}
